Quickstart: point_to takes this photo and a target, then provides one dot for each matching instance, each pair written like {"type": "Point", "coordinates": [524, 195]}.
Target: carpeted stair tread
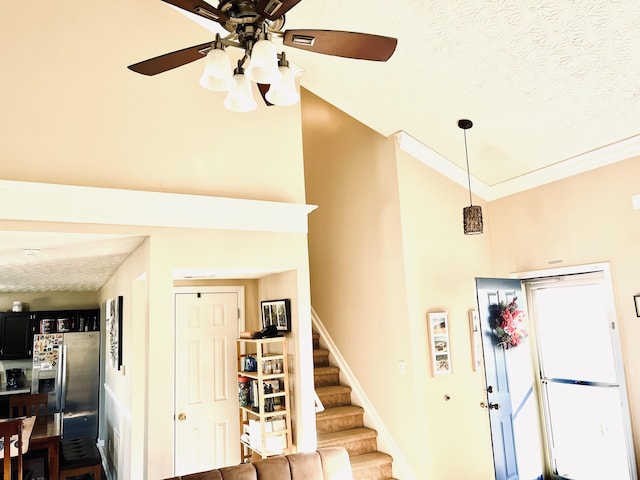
{"type": "Point", "coordinates": [332, 390]}
{"type": "Point", "coordinates": [339, 412]}
{"type": "Point", "coordinates": [370, 462]}
{"type": "Point", "coordinates": [352, 434]}
{"type": "Point", "coordinates": [325, 370]}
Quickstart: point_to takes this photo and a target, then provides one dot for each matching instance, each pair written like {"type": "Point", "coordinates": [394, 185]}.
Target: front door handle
{"type": "Point", "coordinates": [182, 417]}
{"type": "Point", "coordinates": [494, 406]}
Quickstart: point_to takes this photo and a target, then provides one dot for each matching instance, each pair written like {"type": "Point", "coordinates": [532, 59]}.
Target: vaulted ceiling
{"type": "Point", "coordinates": [553, 88]}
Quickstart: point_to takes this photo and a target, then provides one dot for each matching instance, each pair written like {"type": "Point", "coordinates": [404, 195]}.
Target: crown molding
{"type": "Point", "coordinates": [600, 157]}
{"type": "Point", "coordinates": [46, 202]}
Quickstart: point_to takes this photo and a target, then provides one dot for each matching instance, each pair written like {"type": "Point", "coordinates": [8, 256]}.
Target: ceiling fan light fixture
{"type": "Point", "coordinates": [217, 75]}
{"type": "Point", "coordinates": [284, 92]}
{"type": "Point", "coordinates": [240, 98]}
{"type": "Point", "coordinates": [263, 66]}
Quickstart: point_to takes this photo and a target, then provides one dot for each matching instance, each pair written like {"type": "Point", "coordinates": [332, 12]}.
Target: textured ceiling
{"type": "Point", "coordinates": [542, 81]}
{"type": "Point", "coordinates": [60, 262]}
{"type": "Point", "coordinates": [546, 84]}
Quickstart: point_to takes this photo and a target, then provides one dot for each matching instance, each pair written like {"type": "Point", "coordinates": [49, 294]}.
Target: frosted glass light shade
{"type": "Point", "coordinates": [263, 66]}
{"type": "Point", "coordinates": [283, 92]}
{"type": "Point", "coordinates": [217, 75]}
{"type": "Point", "coordinates": [217, 84]}
{"type": "Point", "coordinates": [240, 98]}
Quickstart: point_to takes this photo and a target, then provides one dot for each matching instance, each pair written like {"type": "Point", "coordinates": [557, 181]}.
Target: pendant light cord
{"type": "Point", "coordinates": [466, 153]}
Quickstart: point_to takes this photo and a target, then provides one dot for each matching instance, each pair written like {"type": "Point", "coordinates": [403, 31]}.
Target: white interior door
{"type": "Point", "coordinates": [206, 393]}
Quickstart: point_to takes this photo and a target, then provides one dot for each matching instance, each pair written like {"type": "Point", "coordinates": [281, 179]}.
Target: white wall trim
{"type": "Point", "coordinates": [635, 201]}
{"type": "Point", "coordinates": [568, 270]}
{"type": "Point", "coordinates": [47, 202]}
{"type": "Point", "coordinates": [386, 443]}
{"type": "Point", "coordinates": [126, 413]}
{"type": "Point", "coordinates": [616, 152]}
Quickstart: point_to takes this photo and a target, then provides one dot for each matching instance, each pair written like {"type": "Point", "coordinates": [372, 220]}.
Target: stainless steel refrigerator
{"type": "Point", "coordinates": [67, 366]}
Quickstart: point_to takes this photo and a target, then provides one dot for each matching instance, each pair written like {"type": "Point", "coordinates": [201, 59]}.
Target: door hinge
{"type": "Point", "coordinates": [613, 325]}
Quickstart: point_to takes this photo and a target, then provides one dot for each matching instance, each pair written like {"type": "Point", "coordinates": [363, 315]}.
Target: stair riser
{"type": "Point", "coordinates": [320, 360]}
{"type": "Point", "coordinates": [378, 472]}
{"type": "Point", "coordinates": [326, 379]}
{"type": "Point", "coordinates": [343, 422]}
{"type": "Point", "coordinates": [354, 447]}
{"type": "Point", "coordinates": [339, 400]}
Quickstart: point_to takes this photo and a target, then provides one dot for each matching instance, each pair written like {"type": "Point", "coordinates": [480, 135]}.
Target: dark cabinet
{"type": "Point", "coordinates": [57, 321]}
{"type": "Point", "coordinates": [16, 335]}
{"type": "Point", "coordinates": [17, 328]}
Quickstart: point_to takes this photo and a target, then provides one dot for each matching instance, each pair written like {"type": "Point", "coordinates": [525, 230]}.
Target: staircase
{"type": "Point", "coordinates": [342, 424]}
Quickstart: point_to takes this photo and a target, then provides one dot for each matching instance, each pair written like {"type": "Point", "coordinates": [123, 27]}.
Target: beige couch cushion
{"type": "Point", "coordinates": [305, 465]}
{"type": "Point", "coordinates": [330, 463]}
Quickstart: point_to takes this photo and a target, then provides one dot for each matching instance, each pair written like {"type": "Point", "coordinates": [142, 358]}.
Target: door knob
{"type": "Point", "coordinates": [182, 417]}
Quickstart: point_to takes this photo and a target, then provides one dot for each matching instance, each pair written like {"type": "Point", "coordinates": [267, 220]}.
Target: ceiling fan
{"type": "Point", "coordinates": [251, 25]}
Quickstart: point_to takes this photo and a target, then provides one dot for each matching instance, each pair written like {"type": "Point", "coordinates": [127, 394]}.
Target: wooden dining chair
{"type": "Point", "coordinates": [28, 404]}
{"type": "Point", "coordinates": [7, 430]}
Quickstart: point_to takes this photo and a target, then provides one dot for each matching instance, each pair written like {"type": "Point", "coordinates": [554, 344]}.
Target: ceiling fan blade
{"type": "Point", "coordinates": [198, 7]}
{"type": "Point", "coordinates": [363, 46]}
{"type": "Point", "coordinates": [264, 88]}
{"type": "Point", "coordinates": [273, 9]}
{"type": "Point", "coordinates": [168, 61]}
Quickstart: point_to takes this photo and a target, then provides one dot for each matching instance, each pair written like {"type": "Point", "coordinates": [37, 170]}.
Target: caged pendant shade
{"type": "Point", "coordinates": [471, 215]}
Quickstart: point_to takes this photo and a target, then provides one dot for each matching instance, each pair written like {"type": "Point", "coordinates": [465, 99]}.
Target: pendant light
{"type": "Point", "coordinates": [472, 215]}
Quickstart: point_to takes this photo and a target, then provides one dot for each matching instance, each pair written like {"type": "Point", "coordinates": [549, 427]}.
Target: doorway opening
{"type": "Point", "coordinates": [557, 403]}
{"type": "Point", "coordinates": [580, 377]}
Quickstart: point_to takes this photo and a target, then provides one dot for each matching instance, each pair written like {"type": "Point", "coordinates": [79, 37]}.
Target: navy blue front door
{"type": "Point", "coordinates": [491, 293]}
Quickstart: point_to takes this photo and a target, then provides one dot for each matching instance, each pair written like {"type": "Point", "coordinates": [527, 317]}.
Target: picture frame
{"type": "Point", "coordinates": [278, 313]}
{"type": "Point", "coordinates": [113, 308]}
{"type": "Point", "coordinates": [636, 299]}
{"type": "Point", "coordinates": [440, 347]}
{"type": "Point", "coordinates": [476, 340]}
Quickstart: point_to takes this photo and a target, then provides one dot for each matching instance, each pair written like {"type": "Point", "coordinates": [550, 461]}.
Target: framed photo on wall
{"type": "Point", "coordinates": [439, 339]}
{"type": "Point", "coordinates": [278, 313]}
{"type": "Point", "coordinates": [113, 309]}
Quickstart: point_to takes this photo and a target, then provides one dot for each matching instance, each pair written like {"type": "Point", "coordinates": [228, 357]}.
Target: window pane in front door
{"type": "Point", "coordinates": [588, 432]}
{"type": "Point", "coordinates": [574, 333]}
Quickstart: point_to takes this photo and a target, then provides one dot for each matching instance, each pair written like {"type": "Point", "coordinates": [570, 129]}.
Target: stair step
{"type": "Point", "coordinates": [320, 357]}
{"type": "Point", "coordinates": [339, 418]}
{"type": "Point", "coordinates": [334, 395]}
{"type": "Point", "coordinates": [324, 376]}
{"type": "Point", "coordinates": [372, 466]}
{"type": "Point", "coordinates": [316, 340]}
{"type": "Point", "coordinates": [356, 440]}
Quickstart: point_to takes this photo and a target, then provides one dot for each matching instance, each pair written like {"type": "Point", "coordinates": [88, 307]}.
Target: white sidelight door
{"type": "Point", "coordinates": [206, 389]}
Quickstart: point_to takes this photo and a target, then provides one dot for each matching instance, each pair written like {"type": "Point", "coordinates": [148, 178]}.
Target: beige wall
{"type": "Point", "coordinates": [50, 300]}
{"type": "Point", "coordinates": [124, 397]}
{"type": "Point", "coordinates": [441, 263]}
{"type": "Point", "coordinates": [387, 247]}
{"type": "Point", "coordinates": [225, 250]}
{"type": "Point", "coordinates": [584, 219]}
{"type": "Point", "coordinates": [110, 127]}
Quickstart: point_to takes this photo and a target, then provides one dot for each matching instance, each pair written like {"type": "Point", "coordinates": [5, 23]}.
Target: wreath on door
{"type": "Point", "coordinates": [510, 325]}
